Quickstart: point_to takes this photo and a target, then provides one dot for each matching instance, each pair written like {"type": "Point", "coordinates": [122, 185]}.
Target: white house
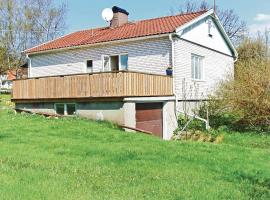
{"type": "Point", "coordinates": [6, 79]}
{"type": "Point", "coordinates": [119, 72]}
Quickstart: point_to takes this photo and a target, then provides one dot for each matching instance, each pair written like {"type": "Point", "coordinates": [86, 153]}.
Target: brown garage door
{"type": "Point", "coordinates": [149, 118]}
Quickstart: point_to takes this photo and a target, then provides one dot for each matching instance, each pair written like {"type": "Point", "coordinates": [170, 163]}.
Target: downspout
{"type": "Point", "coordinates": [29, 65]}
{"type": "Point", "coordinates": [235, 60]}
{"type": "Point", "coordinates": [173, 75]}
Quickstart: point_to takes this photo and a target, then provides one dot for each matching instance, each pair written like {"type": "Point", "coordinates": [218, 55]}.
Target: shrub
{"type": "Point", "coordinates": [219, 114]}
{"type": "Point", "coordinates": [201, 136]}
{"type": "Point", "coordinates": [196, 131]}
{"type": "Point", "coordinates": [195, 124]}
{"type": "Point", "coordinates": [248, 96]}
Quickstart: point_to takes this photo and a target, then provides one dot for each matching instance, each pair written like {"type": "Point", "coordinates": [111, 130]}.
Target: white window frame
{"type": "Point", "coordinates": [119, 61]}
{"type": "Point", "coordinates": [86, 66]}
{"type": "Point", "coordinates": [193, 68]}
{"type": "Point", "coordinates": [65, 108]}
{"type": "Point", "coordinates": [102, 58]}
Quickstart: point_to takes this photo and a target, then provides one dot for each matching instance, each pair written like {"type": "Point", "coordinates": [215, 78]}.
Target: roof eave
{"type": "Point", "coordinates": [97, 44]}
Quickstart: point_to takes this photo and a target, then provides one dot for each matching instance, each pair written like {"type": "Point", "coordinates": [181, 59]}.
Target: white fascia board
{"type": "Point", "coordinates": [225, 35]}
{"type": "Point", "coordinates": [211, 13]}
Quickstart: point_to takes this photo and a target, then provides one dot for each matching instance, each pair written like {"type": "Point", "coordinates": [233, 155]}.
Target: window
{"type": "Point", "coordinates": [197, 67]}
{"type": "Point", "coordinates": [124, 62]}
{"type": "Point", "coordinates": [89, 66]}
{"type": "Point", "coordinates": [115, 63]}
{"type": "Point", "coordinates": [60, 109]}
{"type": "Point", "coordinates": [65, 108]}
{"type": "Point", "coordinates": [71, 109]}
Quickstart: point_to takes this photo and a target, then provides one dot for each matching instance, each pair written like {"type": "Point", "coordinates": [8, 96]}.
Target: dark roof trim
{"type": "Point", "coordinates": [116, 9]}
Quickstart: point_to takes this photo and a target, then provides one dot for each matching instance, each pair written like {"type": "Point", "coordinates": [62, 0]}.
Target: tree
{"type": "Point", "coordinates": [264, 36]}
{"type": "Point", "coordinates": [45, 21]}
{"type": "Point", "coordinates": [26, 23]}
{"type": "Point", "coordinates": [193, 6]}
{"type": "Point", "coordinates": [251, 49]}
{"type": "Point", "coordinates": [3, 59]}
{"type": "Point", "coordinates": [233, 25]}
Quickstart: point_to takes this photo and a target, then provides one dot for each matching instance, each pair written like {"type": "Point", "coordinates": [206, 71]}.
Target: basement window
{"type": "Point", "coordinates": [65, 109]}
{"type": "Point", "coordinates": [71, 109]}
{"type": "Point", "coordinates": [60, 109]}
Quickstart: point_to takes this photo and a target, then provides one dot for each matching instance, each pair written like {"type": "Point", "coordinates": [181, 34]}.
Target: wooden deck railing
{"type": "Point", "coordinates": [107, 84]}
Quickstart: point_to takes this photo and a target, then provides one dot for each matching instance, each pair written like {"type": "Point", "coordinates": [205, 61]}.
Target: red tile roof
{"type": "Point", "coordinates": [142, 28]}
{"type": "Point", "coordinates": [11, 75]}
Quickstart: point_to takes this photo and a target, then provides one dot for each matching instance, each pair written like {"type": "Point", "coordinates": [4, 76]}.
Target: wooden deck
{"type": "Point", "coordinates": [96, 85]}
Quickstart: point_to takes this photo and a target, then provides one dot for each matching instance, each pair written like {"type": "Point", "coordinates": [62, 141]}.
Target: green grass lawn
{"type": "Point", "coordinates": [44, 158]}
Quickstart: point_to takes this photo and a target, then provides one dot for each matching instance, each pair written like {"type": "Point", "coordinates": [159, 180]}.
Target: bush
{"type": "Point", "coordinates": [219, 115]}
{"type": "Point", "coordinates": [248, 96]}
{"type": "Point", "coordinates": [196, 131]}
{"type": "Point", "coordinates": [195, 124]}
{"type": "Point", "coordinates": [201, 136]}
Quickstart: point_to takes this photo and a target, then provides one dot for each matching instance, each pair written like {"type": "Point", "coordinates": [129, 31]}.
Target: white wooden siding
{"type": "Point", "coordinates": [216, 67]}
{"type": "Point", "coordinates": [152, 56]}
{"type": "Point", "coordinates": [198, 33]}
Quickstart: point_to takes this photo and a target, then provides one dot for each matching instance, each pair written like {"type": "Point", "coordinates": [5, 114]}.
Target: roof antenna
{"type": "Point", "coordinates": [215, 6]}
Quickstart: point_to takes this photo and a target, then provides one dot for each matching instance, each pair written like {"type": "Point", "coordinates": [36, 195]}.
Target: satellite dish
{"type": "Point", "coordinates": [107, 14]}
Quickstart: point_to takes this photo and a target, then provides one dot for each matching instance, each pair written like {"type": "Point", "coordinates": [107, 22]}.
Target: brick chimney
{"type": "Point", "coordinates": [120, 17]}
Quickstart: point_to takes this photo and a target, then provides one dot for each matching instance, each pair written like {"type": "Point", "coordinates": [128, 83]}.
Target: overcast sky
{"type": "Point", "coordinates": [86, 14]}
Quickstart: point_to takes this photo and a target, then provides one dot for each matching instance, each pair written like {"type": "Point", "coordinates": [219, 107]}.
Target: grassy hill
{"type": "Point", "coordinates": [44, 158]}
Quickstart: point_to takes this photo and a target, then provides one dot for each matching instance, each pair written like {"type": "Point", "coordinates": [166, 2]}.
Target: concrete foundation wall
{"type": "Point", "coordinates": [37, 107]}
{"type": "Point", "coordinates": [118, 112]}
{"type": "Point", "coordinates": [170, 120]}
{"type": "Point", "coordinates": [130, 114]}
{"type": "Point", "coordinates": [111, 111]}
